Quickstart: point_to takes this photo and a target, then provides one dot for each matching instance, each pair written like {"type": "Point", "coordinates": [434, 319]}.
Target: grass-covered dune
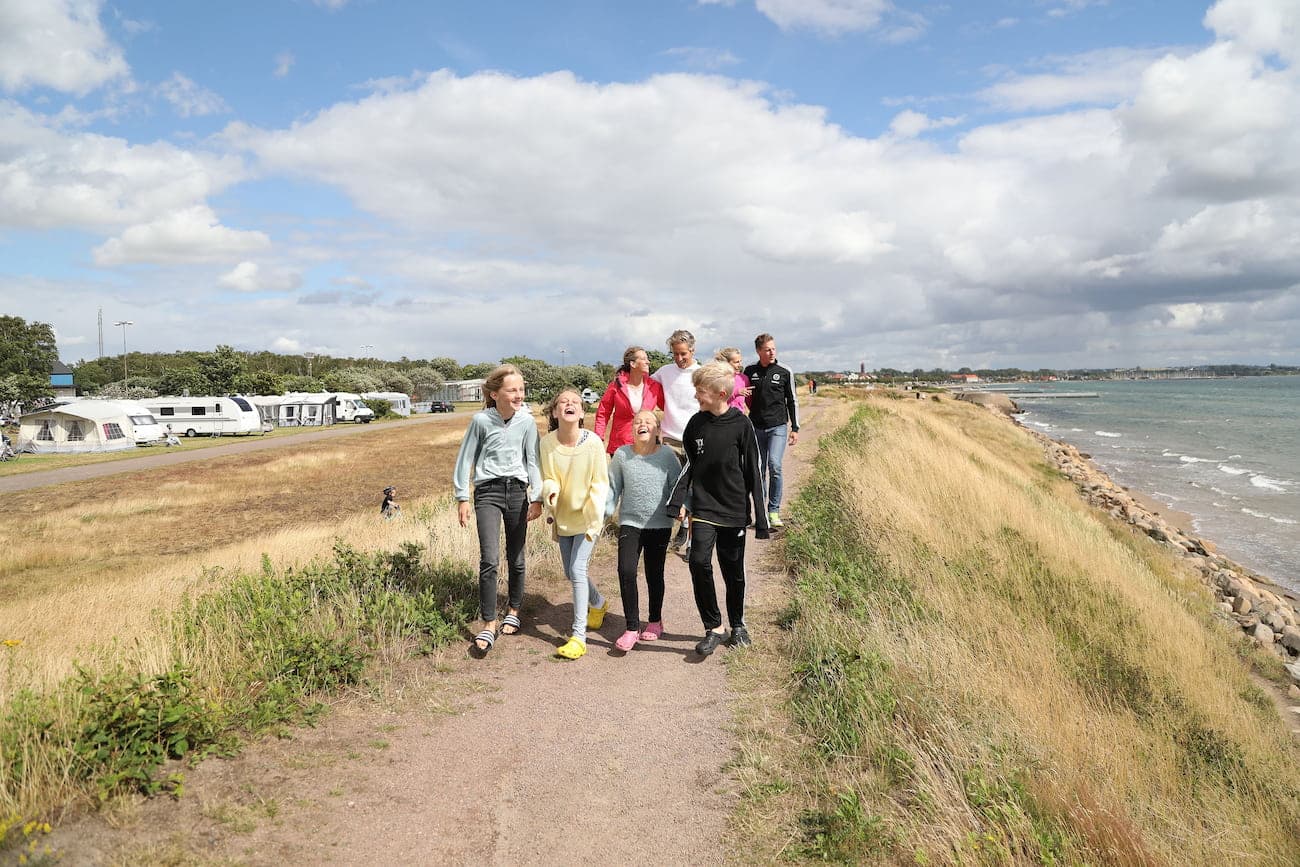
{"type": "Point", "coordinates": [974, 667]}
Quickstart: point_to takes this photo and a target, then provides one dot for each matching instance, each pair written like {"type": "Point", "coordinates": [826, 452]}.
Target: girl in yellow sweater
{"type": "Point", "coordinates": [575, 485]}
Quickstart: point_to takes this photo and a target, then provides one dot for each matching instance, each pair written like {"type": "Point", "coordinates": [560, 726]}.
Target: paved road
{"type": "Point", "coordinates": [42, 478]}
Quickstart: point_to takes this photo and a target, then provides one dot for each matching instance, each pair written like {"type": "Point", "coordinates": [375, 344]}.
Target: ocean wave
{"type": "Point", "coordinates": [1190, 459]}
{"type": "Point", "coordinates": [1044, 425]}
{"type": "Point", "coordinates": [1106, 433]}
{"type": "Point", "coordinates": [1076, 430]}
{"type": "Point", "coordinates": [1232, 471]}
{"type": "Point", "coordinates": [1274, 518]}
{"type": "Point", "coordinates": [1233, 457]}
{"type": "Point", "coordinates": [1269, 484]}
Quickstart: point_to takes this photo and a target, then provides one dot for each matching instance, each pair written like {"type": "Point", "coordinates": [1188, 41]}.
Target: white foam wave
{"type": "Point", "coordinates": [1190, 459]}
{"type": "Point", "coordinates": [1076, 430]}
{"type": "Point", "coordinates": [1232, 471]}
{"type": "Point", "coordinates": [1274, 518]}
{"type": "Point", "coordinates": [1044, 425]}
{"type": "Point", "coordinates": [1233, 457]}
{"type": "Point", "coordinates": [1269, 484]}
{"type": "Point", "coordinates": [1106, 433]}
{"type": "Point", "coordinates": [1220, 491]}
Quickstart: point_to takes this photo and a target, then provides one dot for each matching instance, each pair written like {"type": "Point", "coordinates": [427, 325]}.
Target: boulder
{"type": "Point", "coordinates": [1293, 691]}
{"type": "Point", "coordinates": [1242, 604]}
{"type": "Point", "coordinates": [1291, 638]}
{"type": "Point", "coordinates": [1294, 670]}
{"type": "Point", "coordinates": [1263, 634]}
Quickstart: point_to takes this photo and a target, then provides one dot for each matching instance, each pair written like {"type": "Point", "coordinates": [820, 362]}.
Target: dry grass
{"type": "Point", "coordinates": [93, 563]}
{"type": "Point", "coordinates": [984, 671]}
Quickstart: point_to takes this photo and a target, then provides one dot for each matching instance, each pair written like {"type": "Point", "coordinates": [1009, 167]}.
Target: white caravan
{"type": "Point", "coordinates": [352, 408]}
{"type": "Point", "coordinates": [208, 416]}
{"type": "Point", "coordinates": [89, 426]}
{"type": "Point", "coordinates": [398, 402]}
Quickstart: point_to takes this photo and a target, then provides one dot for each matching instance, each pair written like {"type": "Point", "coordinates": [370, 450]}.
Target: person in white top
{"type": "Point", "coordinates": [678, 403]}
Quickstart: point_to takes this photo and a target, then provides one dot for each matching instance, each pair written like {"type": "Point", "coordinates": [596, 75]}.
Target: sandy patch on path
{"type": "Point", "coordinates": [517, 758]}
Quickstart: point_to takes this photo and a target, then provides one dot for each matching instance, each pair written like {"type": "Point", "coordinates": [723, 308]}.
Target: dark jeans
{"type": "Point", "coordinates": [730, 542]}
{"type": "Point", "coordinates": [631, 542]}
{"type": "Point", "coordinates": [498, 503]}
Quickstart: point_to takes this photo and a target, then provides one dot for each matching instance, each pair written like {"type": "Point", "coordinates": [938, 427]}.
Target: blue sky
{"type": "Point", "coordinates": [1028, 182]}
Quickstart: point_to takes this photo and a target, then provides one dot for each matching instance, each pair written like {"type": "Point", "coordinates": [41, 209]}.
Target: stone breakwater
{"type": "Point", "coordinates": [1268, 614]}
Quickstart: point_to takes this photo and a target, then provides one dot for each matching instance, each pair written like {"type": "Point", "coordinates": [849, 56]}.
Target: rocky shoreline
{"type": "Point", "coordinates": [1267, 613]}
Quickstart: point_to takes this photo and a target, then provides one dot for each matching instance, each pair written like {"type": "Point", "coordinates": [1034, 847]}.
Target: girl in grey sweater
{"type": "Point", "coordinates": [641, 479]}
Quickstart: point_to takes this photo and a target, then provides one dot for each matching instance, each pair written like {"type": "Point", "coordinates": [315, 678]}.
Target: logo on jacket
{"type": "Point", "coordinates": [699, 446]}
{"type": "Point", "coordinates": [776, 377]}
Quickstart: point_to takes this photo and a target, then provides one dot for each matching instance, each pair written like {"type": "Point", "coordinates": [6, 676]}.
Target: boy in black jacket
{"type": "Point", "coordinates": [720, 480]}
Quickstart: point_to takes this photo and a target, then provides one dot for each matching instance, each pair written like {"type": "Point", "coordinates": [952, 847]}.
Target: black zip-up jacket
{"type": "Point", "coordinates": [772, 402]}
{"type": "Point", "coordinates": [721, 476]}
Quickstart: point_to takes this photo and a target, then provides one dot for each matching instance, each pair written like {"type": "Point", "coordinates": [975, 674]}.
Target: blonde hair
{"type": "Point", "coordinates": [716, 376]}
{"type": "Point", "coordinates": [725, 353]}
{"type": "Point", "coordinates": [495, 380]}
{"type": "Point", "coordinates": [653, 418]}
{"type": "Point", "coordinates": [553, 423]}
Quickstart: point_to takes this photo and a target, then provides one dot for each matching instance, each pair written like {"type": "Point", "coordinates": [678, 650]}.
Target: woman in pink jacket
{"type": "Point", "coordinates": [631, 391]}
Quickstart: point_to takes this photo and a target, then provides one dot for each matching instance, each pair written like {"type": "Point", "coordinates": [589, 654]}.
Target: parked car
{"type": "Point", "coordinates": [442, 406]}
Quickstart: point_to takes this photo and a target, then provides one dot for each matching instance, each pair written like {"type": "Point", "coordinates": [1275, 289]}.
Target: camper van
{"type": "Point", "coordinates": [352, 408]}
{"type": "Point", "coordinates": [399, 403]}
{"type": "Point", "coordinates": [209, 416]}
{"type": "Point", "coordinates": [89, 426]}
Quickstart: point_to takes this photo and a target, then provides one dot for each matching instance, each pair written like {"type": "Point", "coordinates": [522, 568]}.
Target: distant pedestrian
{"type": "Point", "coordinates": [679, 403]}
{"type": "Point", "coordinates": [500, 452]}
{"type": "Point", "coordinates": [575, 488]}
{"type": "Point", "coordinates": [719, 482]}
{"type": "Point", "coordinates": [774, 411]}
{"type": "Point", "coordinates": [641, 480]}
{"type": "Point", "coordinates": [631, 391]}
{"type": "Point", "coordinates": [389, 508]}
{"type": "Point", "coordinates": [740, 395]}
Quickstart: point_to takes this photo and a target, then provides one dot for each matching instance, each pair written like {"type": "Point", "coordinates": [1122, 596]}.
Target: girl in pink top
{"type": "Point", "coordinates": [740, 396]}
{"type": "Point", "coordinates": [631, 391]}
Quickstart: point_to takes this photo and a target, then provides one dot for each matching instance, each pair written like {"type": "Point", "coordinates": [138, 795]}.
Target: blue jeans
{"type": "Point", "coordinates": [575, 551]}
{"type": "Point", "coordinates": [771, 451]}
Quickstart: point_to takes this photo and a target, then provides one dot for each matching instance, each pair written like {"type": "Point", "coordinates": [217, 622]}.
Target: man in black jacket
{"type": "Point", "coordinates": [775, 414]}
{"type": "Point", "coordinates": [719, 481]}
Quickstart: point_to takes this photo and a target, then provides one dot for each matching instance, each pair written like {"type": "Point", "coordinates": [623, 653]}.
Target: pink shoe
{"type": "Point", "coordinates": [626, 641]}
{"type": "Point", "coordinates": [652, 631]}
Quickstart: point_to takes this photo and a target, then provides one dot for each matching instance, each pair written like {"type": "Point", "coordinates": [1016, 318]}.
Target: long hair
{"type": "Point", "coordinates": [629, 356]}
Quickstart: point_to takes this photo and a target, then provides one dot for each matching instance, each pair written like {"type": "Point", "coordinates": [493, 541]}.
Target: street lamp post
{"type": "Point", "coordinates": [366, 346]}
{"type": "Point", "coordinates": [562, 351]}
{"type": "Point", "coordinates": [309, 356]}
{"type": "Point", "coordinates": [123, 323]}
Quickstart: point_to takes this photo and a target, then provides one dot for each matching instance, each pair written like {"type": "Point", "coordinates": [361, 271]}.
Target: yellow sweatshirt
{"type": "Point", "coordinates": [575, 484]}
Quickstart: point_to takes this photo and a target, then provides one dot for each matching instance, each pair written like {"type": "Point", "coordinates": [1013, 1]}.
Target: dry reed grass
{"type": "Point", "coordinates": [1002, 678]}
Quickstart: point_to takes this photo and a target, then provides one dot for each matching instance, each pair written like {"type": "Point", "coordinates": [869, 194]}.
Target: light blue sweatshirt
{"type": "Point", "coordinates": [644, 483]}
{"type": "Point", "coordinates": [498, 449]}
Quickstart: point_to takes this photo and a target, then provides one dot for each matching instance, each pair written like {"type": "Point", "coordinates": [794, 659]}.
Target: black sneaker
{"type": "Point", "coordinates": [711, 642]}
{"type": "Point", "coordinates": [739, 637]}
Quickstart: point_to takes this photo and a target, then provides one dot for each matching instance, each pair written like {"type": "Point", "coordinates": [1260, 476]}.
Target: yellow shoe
{"type": "Point", "coordinates": [596, 616]}
{"type": "Point", "coordinates": [572, 649]}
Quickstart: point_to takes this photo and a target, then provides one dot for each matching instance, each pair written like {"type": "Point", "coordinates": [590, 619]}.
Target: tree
{"type": "Point", "coordinates": [353, 379]}
{"type": "Point", "coordinates": [426, 381]}
{"type": "Point", "coordinates": [302, 383]}
{"type": "Point", "coordinates": [125, 391]}
{"type": "Point", "coordinates": [184, 380]}
{"type": "Point", "coordinates": [477, 371]}
{"type": "Point", "coordinates": [259, 382]}
{"type": "Point", "coordinates": [448, 367]}
{"type": "Point", "coordinates": [541, 379]}
{"type": "Point", "coordinates": [396, 380]}
{"type": "Point", "coordinates": [657, 359]}
{"type": "Point", "coordinates": [27, 356]}
{"type": "Point", "coordinates": [89, 376]}
{"type": "Point", "coordinates": [606, 372]}
{"type": "Point", "coordinates": [221, 367]}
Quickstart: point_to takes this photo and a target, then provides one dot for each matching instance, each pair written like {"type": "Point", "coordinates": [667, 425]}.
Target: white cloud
{"type": "Point", "coordinates": [910, 124]}
{"type": "Point", "coordinates": [287, 345]}
{"type": "Point", "coordinates": [1105, 77]}
{"type": "Point", "coordinates": [708, 59]}
{"type": "Point", "coordinates": [190, 235]}
{"type": "Point", "coordinates": [251, 277]}
{"type": "Point", "coordinates": [838, 17]}
{"type": "Point", "coordinates": [190, 99]}
{"type": "Point", "coordinates": [57, 44]}
{"type": "Point", "coordinates": [50, 179]}
{"type": "Point", "coordinates": [1264, 27]}
{"type": "Point", "coordinates": [284, 62]}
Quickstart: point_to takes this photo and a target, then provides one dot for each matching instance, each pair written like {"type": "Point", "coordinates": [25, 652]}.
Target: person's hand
{"type": "Point", "coordinates": [747, 391]}
{"type": "Point", "coordinates": [534, 511]}
{"type": "Point", "coordinates": [681, 514]}
{"type": "Point", "coordinates": [794, 437]}
{"type": "Point", "coordinates": [462, 512]}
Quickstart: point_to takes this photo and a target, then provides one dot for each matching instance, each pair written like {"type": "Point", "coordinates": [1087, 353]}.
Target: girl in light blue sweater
{"type": "Point", "coordinates": [641, 479]}
{"type": "Point", "coordinates": [500, 451]}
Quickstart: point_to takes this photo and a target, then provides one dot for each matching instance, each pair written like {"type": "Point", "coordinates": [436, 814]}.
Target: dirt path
{"type": "Point", "coordinates": [166, 458]}
{"type": "Point", "coordinates": [515, 759]}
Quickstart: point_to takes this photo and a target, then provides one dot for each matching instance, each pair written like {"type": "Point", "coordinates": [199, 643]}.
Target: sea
{"type": "Point", "coordinates": [1225, 451]}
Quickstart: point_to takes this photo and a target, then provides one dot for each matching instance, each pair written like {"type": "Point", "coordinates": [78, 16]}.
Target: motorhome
{"type": "Point", "coordinates": [352, 408]}
{"type": "Point", "coordinates": [206, 416]}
